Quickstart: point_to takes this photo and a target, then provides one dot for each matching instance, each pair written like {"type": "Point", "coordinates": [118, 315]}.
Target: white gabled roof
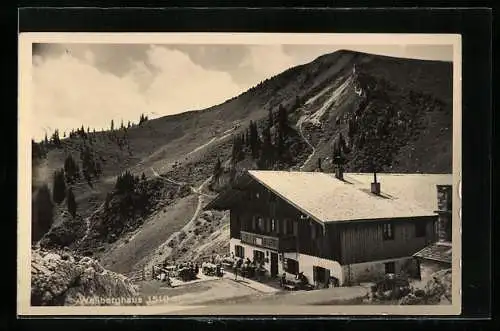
{"type": "Point", "coordinates": [328, 199]}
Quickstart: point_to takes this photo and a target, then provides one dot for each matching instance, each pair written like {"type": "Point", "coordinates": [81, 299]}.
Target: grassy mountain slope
{"type": "Point", "coordinates": [400, 109]}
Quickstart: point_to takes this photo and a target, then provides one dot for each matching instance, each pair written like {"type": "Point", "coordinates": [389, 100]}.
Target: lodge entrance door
{"type": "Point", "coordinates": [274, 264]}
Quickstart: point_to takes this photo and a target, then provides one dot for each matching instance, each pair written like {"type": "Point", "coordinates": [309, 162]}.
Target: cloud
{"type": "Point", "coordinates": [91, 84]}
{"type": "Point", "coordinates": [72, 90]}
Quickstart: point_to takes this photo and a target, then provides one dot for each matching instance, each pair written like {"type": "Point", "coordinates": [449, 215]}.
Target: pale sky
{"type": "Point", "coordinates": [91, 84]}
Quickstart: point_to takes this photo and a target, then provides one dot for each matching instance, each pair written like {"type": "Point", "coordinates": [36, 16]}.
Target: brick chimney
{"type": "Point", "coordinates": [375, 186]}
{"type": "Point", "coordinates": [444, 199]}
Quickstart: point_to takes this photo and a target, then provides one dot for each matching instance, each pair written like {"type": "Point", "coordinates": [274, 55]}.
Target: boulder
{"type": "Point", "coordinates": [63, 279]}
{"type": "Point", "coordinates": [437, 291]}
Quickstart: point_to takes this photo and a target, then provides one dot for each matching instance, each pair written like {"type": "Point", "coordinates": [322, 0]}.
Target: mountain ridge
{"type": "Point", "coordinates": [408, 100]}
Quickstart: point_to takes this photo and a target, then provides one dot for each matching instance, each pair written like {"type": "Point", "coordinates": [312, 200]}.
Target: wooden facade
{"type": "Point", "coordinates": [262, 219]}
{"type": "Point", "coordinates": [364, 241]}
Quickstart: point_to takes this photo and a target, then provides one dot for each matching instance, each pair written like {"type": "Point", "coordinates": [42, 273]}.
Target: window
{"type": "Point", "coordinates": [260, 224]}
{"type": "Point", "coordinates": [388, 231]}
{"type": "Point", "coordinates": [239, 251]}
{"type": "Point", "coordinates": [273, 225]}
{"type": "Point", "coordinates": [278, 226]}
{"type": "Point", "coordinates": [320, 274]}
{"type": "Point", "coordinates": [420, 229]}
{"type": "Point", "coordinates": [390, 268]}
{"type": "Point", "coordinates": [291, 266]}
{"type": "Point", "coordinates": [258, 256]}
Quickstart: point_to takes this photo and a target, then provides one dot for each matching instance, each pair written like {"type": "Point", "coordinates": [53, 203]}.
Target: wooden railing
{"type": "Point", "coordinates": [282, 243]}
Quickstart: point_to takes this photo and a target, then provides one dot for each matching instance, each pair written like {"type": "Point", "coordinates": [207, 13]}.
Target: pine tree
{"type": "Point", "coordinates": [71, 202]}
{"type": "Point", "coordinates": [247, 138]}
{"type": "Point", "coordinates": [43, 213]}
{"type": "Point", "coordinates": [280, 142]}
{"type": "Point", "coordinates": [55, 138]}
{"type": "Point", "coordinates": [129, 125]}
{"type": "Point", "coordinates": [237, 153]}
{"type": "Point", "coordinates": [46, 139]}
{"type": "Point", "coordinates": [125, 183]}
{"type": "Point", "coordinates": [59, 186]}
{"type": "Point", "coordinates": [267, 147]}
{"type": "Point", "coordinates": [254, 140]}
{"type": "Point", "coordinates": [112, 125]}
{"type": "Point", "coordinates": [282, 119]}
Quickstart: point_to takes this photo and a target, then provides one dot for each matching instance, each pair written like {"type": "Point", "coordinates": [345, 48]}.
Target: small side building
{"type": "Point", "coordinates": [339, 228]}
{"type": "Point", "coordinates": [438, 255]}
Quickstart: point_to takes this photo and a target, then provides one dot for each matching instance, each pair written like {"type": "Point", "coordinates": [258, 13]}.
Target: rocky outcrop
{"type": "Point", "coordinates": [59, 278]}
{"type": "Point", "coordinates": [436, 291]}
{"type": "Point", "coordinates": [67, 232]}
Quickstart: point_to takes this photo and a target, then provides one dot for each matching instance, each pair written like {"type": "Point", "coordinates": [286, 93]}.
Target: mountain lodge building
{"type": "Point", "coordinates": [344, 228]}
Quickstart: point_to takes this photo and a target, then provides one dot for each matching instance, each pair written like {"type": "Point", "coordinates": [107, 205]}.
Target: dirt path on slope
{"type": "Point", "coordinates": [163, 251]}
{"type": "Point", "coordinates": [299, 124]}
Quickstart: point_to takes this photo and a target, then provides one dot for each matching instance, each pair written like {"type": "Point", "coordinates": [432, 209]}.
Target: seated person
{"type": "Point", "coordinates": [283, 280]}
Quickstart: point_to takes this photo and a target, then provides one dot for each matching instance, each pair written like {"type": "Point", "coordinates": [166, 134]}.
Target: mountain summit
{"type": "Point", "coordinates": [374, 113]}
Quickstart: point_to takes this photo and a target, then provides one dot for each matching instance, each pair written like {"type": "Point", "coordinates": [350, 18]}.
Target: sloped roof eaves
{"type": "Point", "coordinates": [435, 252]}
{"type": "Point", "coordinates": [223, 200]}
{"type": "Point", "coordinates": [380, 219]}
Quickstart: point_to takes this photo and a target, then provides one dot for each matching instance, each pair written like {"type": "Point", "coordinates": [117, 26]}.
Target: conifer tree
{"type": "Point", "coordinates": [43, 213]}
{"type": "Point", "coordinates": [282, 119]}
{"type": "Point", "coordinates": [280, 142]}
{"type": "Point", "coordinates": [112, 125]}
{"type": "Point", "coordinates": [237, 153]}
{"type": "Point", "coordinates": [142, 119]}
{"type": "Point", "coordinates": [55, 138]}
{"type": "Point", "coordinates": [125, 183]}
{"type": "Point", "coordinates": [59, 186]}
{"type": "Point", "coordinates": [254, 140]}
{"type": "Point", "coordinates": [71, 202]}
